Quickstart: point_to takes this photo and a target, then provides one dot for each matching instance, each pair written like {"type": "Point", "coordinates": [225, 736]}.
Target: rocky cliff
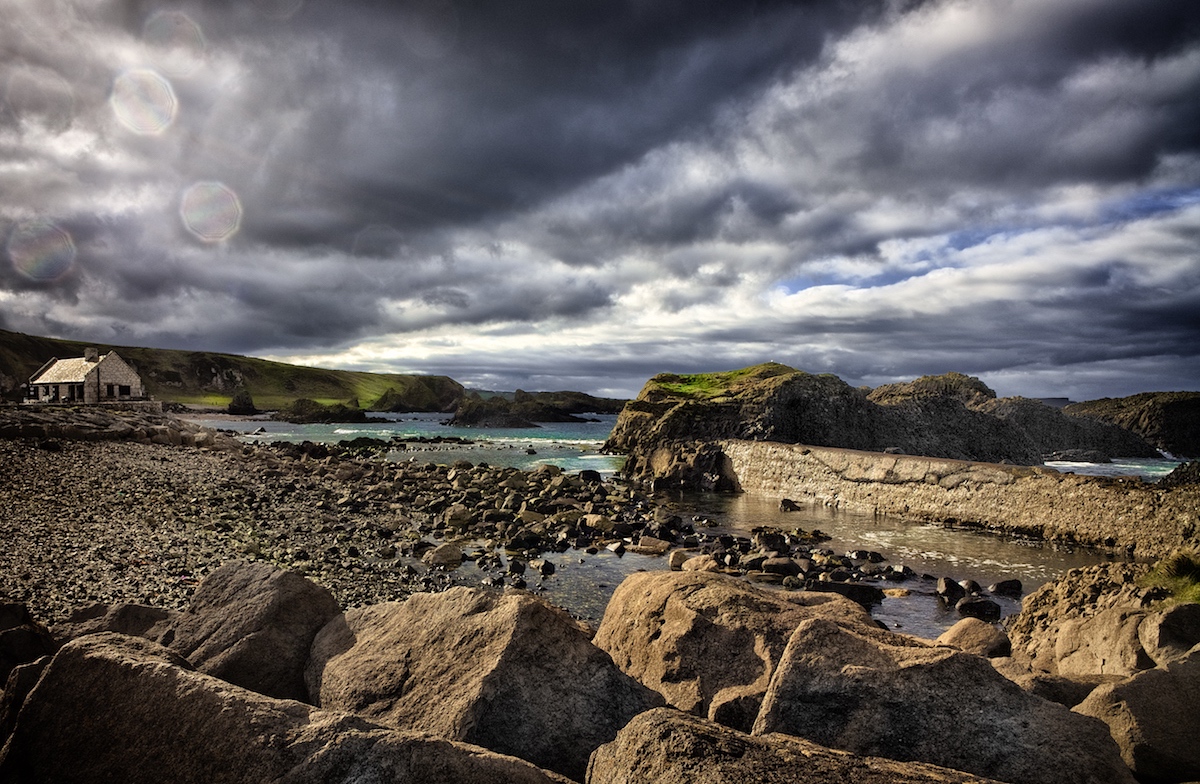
{"type": "Point", "coordinates": [950, 416]}
{"type": "Point", "coordinates": [1169, 420]}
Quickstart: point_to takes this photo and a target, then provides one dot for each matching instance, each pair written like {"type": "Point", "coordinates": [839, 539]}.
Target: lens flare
{"type": "Point", "coordinates": [41, 251]}
{"type": "Point", "coordinates": [210, 211]}
{"type": "Point", "coordinates": [144, 101]}
{"type": "Point", "coordinates": [40, 97]}
{"type": "Point", "coordinates": [177, 43]}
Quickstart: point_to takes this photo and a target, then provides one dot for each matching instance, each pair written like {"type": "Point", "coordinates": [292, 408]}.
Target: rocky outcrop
{"type": "Point", "coordinates": [1100, 621]}
{"type": "Point", "coordinates": [504, 671]}
{"type": "Point", "coordinates": [1125, 515]}
{"type": "Point", "coordinates": [662, 628]}
{"type": "Point", "coordinates": [1169, 420]}
{"type": "Point", "coordinates": [951, 416]}
{"type": "Point", "coordinates": [252, 625]}
{"type": "Point", "coordinates": [666, 746]}
{"type": "Point", "coordinates": [1153, 718]}
{"type": "Point", "coordinates": [102, 423]}
{"type": "Point", "coordinates": [875, 693]}
{"type": "Point", "coordinates": [116, 708]}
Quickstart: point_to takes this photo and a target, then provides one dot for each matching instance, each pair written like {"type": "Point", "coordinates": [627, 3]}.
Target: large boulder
{"type": "Point", "coordinates": [115, 708]}
{"type": "Point", "coordinates": [505, 671]}
{"type": "Point", "coordinates": [707, 642]}
{"type": "Point", "coordinates": [872, 692]}
{"type": "Point", "coordinates": [666, 746]}
{"type": "Point", "coordinates": [252, 625]}
{"type": "Point", "coordinates": [981, 638]}
{"type": "Point", "coordinates": [1099, 620]}
{"type": "Point", "coordinates": [1154, 719]}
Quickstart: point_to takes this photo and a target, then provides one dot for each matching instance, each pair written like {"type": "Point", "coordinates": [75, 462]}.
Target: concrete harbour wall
{"type": "Point", "coordinates": [1125, 515]}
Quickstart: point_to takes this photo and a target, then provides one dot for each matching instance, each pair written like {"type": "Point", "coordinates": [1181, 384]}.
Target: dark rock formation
{"type": "Point", "coordinates": [871, 692]}
{"type": "Point", "coordinates": [665, 746]}
{"type": "Point", "coordinates": [526, 409]}
{"type": "Point", "coordinates": [1184, 474]}
{"type": "Point", "coordinates": [952, 416]}
{"type": "Point", "coordinates": [309, 411]}
{"type": "Point", "coordinates": [1169, 420]}
{"type": "Point", "coordinates": [663, 627]}
{"type": "Point", "coordinates": [242, 404]}
{"type": "Point", "coordinates": [504, 671]}
{"type": "Point", "coordinates": [252, 625]}
{"type": "Point", "coordinates": [116, 708]}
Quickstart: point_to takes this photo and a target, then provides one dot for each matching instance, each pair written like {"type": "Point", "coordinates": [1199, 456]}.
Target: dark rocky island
{"type": "Point", "coordinates": [951, 416]}
{"type": "Point", "coordinates": [527, 409]}
{"type": "Point", "coordinates": [1169, 420]}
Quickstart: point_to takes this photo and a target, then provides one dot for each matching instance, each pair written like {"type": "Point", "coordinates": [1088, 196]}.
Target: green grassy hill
{"type": "Point", "coordinates": [210, 379]}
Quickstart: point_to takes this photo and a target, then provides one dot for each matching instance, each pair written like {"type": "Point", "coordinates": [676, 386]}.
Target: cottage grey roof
{"type": "Point", "coordinates": [66, 371]}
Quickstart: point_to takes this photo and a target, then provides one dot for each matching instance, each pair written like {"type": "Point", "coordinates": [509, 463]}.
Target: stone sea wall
{"type": "Point", "coordinates": [1124, 514]}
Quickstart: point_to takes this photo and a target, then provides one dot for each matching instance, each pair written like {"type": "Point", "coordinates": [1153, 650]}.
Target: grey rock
{"type": "Point", "coordinates": [663, 629]}
{"type": "Point", "coordinates": [504, 671]}
{"type": "Point", "coordinates": [871, 692]}
{"type": "Point", "coordinates": [252, 625]}
{"type": "Point", "coordinates": [1153, 718]}
{"type": "Point", "coordinates": [667, 746]}
{"type": "Point", "coordinates": [116, 708]}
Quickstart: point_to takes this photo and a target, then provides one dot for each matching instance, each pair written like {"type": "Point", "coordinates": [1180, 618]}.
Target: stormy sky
{"type": "Point", "coordinates": [577, 194]}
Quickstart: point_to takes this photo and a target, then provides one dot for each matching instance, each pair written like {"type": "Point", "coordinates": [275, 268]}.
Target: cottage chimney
{"type": "Point", "coordinates": [91, 354]}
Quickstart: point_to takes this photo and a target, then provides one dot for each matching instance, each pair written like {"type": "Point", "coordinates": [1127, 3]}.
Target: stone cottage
{"type": "Point", "coordinates": [88, 379]}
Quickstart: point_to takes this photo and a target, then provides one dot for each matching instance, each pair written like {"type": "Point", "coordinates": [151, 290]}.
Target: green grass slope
{"type": "Point", "coordinates": [211, 379]}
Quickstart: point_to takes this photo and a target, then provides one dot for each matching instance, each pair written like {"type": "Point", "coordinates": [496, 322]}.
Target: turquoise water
{"type": "Point", "coordinates": [573, 446]}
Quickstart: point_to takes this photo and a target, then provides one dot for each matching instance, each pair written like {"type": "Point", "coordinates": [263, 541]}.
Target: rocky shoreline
{"type": "Point", "coordinates": [297, 612]}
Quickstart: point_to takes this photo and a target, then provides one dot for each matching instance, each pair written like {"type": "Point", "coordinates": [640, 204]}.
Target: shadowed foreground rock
{"type": "Point", "coordinates": [872, 692]}
{"type": "Point", "coordinates": [504, 671]}
{"type": "Point", "coordinates": [252, 625]}
{"type": "Point", "coordinates": [1153, 718]}
{"type": "Point", "coordinates": [707, 642]}
{"type": "Point", "coordinates": [116, 708]}
{"type": "Point", "coordinates": [665, 746]}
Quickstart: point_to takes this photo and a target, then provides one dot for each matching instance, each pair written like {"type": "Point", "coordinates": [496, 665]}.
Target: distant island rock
{"type": "Point", "coordinates": [1169, 420]}
{"type": "Point", "coordinates": [527, 409]}
{"type": "Point", "coordinates": [950, 416]}
{"type": "Point", "coordinates": [305, 411]}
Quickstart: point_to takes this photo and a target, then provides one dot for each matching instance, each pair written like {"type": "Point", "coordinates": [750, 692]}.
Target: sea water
{"type": "Point", "coordinates": [584, 582]}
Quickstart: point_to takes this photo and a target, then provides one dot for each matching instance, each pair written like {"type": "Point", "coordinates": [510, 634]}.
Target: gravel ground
{"type": "Point", "coordinates": [120, 521]}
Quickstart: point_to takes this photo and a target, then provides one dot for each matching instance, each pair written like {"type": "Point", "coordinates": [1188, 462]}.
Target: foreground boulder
{"type": "Point", "coordinates": [252, 625]}
{"type": "Point", "coordinates": [116, 708]}
{"type": "Point", "coordinates": [872, 692]}
{"type": "Point", "coordinates": [1099, 621]}
{"type": "Point", "coordinates": [666, 746]}
{"type": "Point", "coordinates": [707, 642]}
{"type": "Point", "coordinates": [505, 671]}
{"type": "Point", "coordinates": [1153, 718]}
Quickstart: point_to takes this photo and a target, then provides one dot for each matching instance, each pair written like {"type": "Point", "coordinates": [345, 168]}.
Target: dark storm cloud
{"type": "Point", "coordinates": [599, 190]}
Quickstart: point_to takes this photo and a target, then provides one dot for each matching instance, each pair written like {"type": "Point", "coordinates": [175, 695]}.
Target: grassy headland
{"type": "Point", "coordinates": [205, 378]}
